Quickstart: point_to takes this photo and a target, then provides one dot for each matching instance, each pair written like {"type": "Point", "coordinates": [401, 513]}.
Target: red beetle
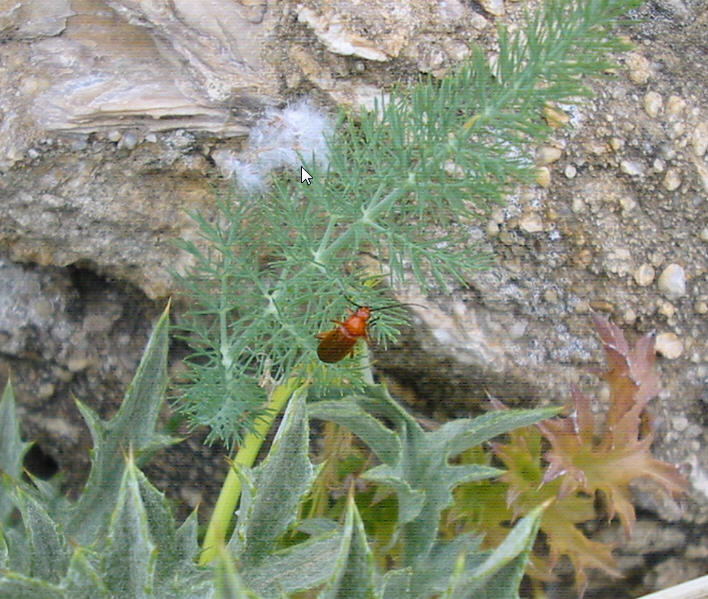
{"type": "Point", "coordinates": [340, 341]}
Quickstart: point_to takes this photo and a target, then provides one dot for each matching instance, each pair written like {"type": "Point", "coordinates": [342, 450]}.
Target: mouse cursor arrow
{"type": "Point", "coordinates": [305, 177]}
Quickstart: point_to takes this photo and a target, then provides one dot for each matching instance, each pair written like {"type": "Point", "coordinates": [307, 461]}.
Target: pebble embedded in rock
{"type": "Point", "coordinates": [672, 179]}
{"type": "Point", "coordinates": [679, 423]}
{"type": "Point", "coordinates": [699, 139]}
{"type": "Point", "coordinates": [531, 223]}
{"type": "Point", "coordinates": [653, 103]}
{"type": "Point", "coordinates": [627, 204]}
{"type": "Point", "coordinates": [543, 176]}
{"type": "Point", "coordinates": [570, 171]}
{"type": "Point", "coordinates": [669, 345]}
{"type": "Point", "coordinates": [667, 309]}
{"type": "Point", "coordinates": [548, 154]}
{"type": "Point", "coordinates": [633, 168]}
{"type": "Point", "coordinates": [675, 105]}
{"type": "Point", "coordinates": [672, 282]}
{"type": "Point", "coordinates": [644, 275]}
{"type": "Point", "coordinates": [493, 7]}
{"type": "Point", "coordinates": [639, 68]}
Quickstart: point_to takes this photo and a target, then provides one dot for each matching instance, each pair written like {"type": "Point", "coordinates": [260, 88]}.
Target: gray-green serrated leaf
{"type": "Point", "coordinates": [465, 433]}
{"type": "Point", "coordinates": [4, 551]}
{"type": "Point", "coordinates": [227, 582]}
{"type": "Point", "coordinates": [297, 568]}
{"type": "Point", "coordinates": [498, 576]}
{"type": "Point", "coordinates": [417, 466]}
{"type": "Point", "coordinates": [396, 584]}
{"type": "Point", "coordinates": [83, 580]}
{"type": "Point", "coordinates": [48, 553]}
{"type": "Point", "coordinates": [132, 429]}
{"type": "Point", "coordinates": [187, 541]}
{"type": "Point", "coordinates": [18, 586]}
{"type": "Point", "coordinates": [519, 540]}
{"type": "Point", "coordinates": [18, 551]}
{"type": "Point", "coordinates": [281, 482]}
{"type": "Point", "coordinates": [431, 575]}
{"type": "Point", "coordinates": [353, 576]}
{"type": "Point", "coordinates": [350, 414]}
{"type": "Point", "coordinates": [163, 530]}
{"type": "Point", "coordinates": [12, 448]}
{"type": "Point", "coordinates": [129, 564]}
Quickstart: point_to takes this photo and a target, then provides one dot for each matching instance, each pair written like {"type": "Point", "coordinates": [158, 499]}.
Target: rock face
{"type": "Point", "coordinates": [113, 116]}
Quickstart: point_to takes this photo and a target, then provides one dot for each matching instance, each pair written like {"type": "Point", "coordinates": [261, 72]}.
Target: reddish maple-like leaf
{"type": "Point", "coordinates": [592, 458]}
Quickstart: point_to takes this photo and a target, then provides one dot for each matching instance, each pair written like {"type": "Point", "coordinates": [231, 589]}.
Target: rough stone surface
{"type": "Point", "coordinates": [111, 112]}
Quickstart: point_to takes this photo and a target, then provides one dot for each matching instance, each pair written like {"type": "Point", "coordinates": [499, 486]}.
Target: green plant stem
{"type": "Point", "coordinates": [246, 456]}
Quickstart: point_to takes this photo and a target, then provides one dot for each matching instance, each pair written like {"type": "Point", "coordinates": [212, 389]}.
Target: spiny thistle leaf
{"type": "Point", "coordinates": [131, 429]}
{"type": "Point", "coordinates": [84, 579]}
{"type": "Point", "coordinates": [12, 448]}
{"type": "Point", "coordinates": [130, 552]}
{"type": "Point", "coordinates": [227, 581]}
{"type": "Point", "coordinates": [353, 576]}
{"type": "Point", "coordinates": [297, 568]}
{"type": "Point", "coordinates": [48, 551]}
{"type": "Point", "coordinates": [269, 504]}
{"type": "Point", "coordinates": [421, 473]}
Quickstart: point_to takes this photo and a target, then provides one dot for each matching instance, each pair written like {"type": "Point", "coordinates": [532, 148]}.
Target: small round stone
{"type": "Point", "coordinates": [675, 105]}
{"type": "Point", "coordinates": [570, 171]}
{"type": "Point", "coordinates": [634, 168]}
{"type": "Point", "coordinates": [669, 345]}
{"type": "Point", "coordinates": [679, 423]}
{"type": "Point", "coordinates": [644, 275]}
{"type": "Point", "coordinates": [639, 68]}
{"type": "Point", "coordinates": [667, 309]}
{"type": "Point", "coordinates": [672, 179]}
{"type": "Point", "coordinates": [531, 223]}
{"type": "Point", "coordinates": [672, 281]}
{"type": "Point", "coordinates": [653, 103]}
{"type": "Point", "coordinates": [543, 176]}
{"type": "Point", "coordinates": [699, 139]}
{"type": "Point", "coordinates": [547, 155]}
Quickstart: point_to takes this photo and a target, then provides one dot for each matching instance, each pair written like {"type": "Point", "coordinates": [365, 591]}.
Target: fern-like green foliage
{"type": "Point", "coordinates": [404, 183]}
{"type": "Point", "coordinates": [120, 540]}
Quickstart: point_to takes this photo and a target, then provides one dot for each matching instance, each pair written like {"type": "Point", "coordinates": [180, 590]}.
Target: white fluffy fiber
{"type": "Point", "coordinates": [281, 139]}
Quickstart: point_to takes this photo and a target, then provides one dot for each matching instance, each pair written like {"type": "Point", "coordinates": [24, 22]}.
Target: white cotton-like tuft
{"type": "Point", "coordinates": [281, 139]}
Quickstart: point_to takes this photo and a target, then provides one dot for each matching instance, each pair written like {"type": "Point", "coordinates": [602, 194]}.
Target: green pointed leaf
{"type": "Point", "coordinates": [297, 568]}
{"type": "Point", "coordinates": [48, 553]}
{"type": "Point", "coordinates": [353, 576]}
{"type": "Point", "coordinates": [18, 551]}
{"type": "Point", "coordinates": [417, 466]}
{"type": "Point", "coordinates": [132, 429]}
{"type": "Point", "coordinates": [186, 540]}
{"type": "Point", "coordinates": [519, 540]}
{"type": "Point", "coordinates": [83, 580]}
{"type": "Point", "coordinates": [396, 584]}
{"type": "Point", "coordinates": [280, 483]}
{"type": "Point", "coordinates": [348, 413]}
{"type": "Point", "coordinates": [227, 582]}
{"type": "Point", "coordinates": [431, 575]}
{"type": "Point", "coordinates": [162, 529]}
{"type": "Point", "coordinates": [499, 574]}
{"type": "Point", "coordinates": [18, 586]}
{"type": "Point", "coordinates": [4, 551]}
{"type": "Point", "coordinates": [130, 552]}
{"type": "Point", "coordinates": [465, 433]}
{"type": "Point", "coordinates": [12, 448]}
